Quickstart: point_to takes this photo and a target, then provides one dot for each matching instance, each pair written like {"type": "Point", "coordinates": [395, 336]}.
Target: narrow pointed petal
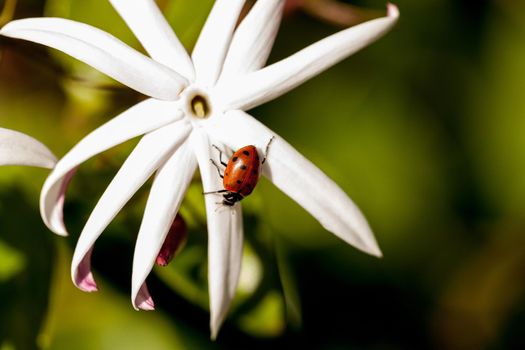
{"type": "Point", "coordinates": [214, 40]}
{"type": "Point", "coordinates": [225, 237]}
{"type": "Point", "coordinates": [253, 39]}
{"type": "Point", "coordinates": [301, 180]}
{"type": "Point", "coordinates": [154, 33]}
{"type": "Point", "coordinates": [152, 151]}
{"type": "Point", "coordinates": [166, 195]}
{"type": "Point", "coordinates": [275, 80]}
{"type": "Point", "coordinates": [19, 149]}
{"type": "Point", "coordinates": [103, 52]}
{"type": "Point", "coordinates": [139, 119]}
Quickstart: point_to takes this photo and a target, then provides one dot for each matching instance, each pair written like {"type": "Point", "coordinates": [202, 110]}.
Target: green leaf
{"type": "Point", "coordinates": [289, 286]}
{"type": "Point", "coordinates": [31, 256]}
{"type": "Point", "coordinates": [187, 18]}
{"type": "Point", "coordinates": [12, 261]}
{"type": "Point", "coordinates": [179, 276]}
{"type": "Point", "coordinates": [267, 318]}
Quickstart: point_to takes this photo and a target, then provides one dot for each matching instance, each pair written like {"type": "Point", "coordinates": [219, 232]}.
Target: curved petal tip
{"type": "Point", "coordinates": [57, 225]}
{"type": "Point", "coordinates": [375, 251]}
{"type": "Point", "coordinates": [86, 283]}
{"type": "Point", "coordinates": [144, 301]}
{"type": "Point", "coordinates": [82, 275]}
{"type": "Point", "coordinates": [214, 331]}
{"type": "Point", "coordinates": [392, 10]}
{"type": "Point", "coordinates": [17, 148]}
{"type": "Point", "coordinates": [147, 305]}
{"type": "Point", "coordinates": [57, 219]}
{"type": "Point", "coordinates": [52, 200]}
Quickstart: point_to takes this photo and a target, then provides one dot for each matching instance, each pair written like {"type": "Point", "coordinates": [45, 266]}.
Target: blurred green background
{"type": "Point", "coordinates": [424, 130]}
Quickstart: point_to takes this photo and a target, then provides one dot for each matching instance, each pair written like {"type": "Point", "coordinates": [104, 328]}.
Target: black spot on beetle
{"type": "Point", "coordinates": [246, 153]}
{"type": "Point", "coordinates": [243, 167]}
{"type": "Point", "coordinates": [255, 172]}
{"type": "Point", "coordinates": [234, 159]}
{"type": "Point", "coordinates": [239, 182]}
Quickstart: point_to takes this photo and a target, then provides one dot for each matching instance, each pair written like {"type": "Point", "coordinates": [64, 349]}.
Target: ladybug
{"type": "Point", "coordinates": [241, 173]}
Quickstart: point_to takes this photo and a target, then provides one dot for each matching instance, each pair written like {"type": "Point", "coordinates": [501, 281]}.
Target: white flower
{"type": "Point", "coordinates": [196, 102]}
{"type": "Point", "coordinates": [19, 149]}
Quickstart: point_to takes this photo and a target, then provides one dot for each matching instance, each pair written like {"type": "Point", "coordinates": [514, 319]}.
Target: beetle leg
{"type": "Point", "coordinates": [266, 149]}
{"type": "Point", "coordinates": [218, 170]}
{"type": "Point", "coordinates": [220, 155]}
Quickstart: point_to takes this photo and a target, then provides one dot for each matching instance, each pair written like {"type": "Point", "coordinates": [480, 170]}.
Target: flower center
{"type": "Point", "coordinates": [200, 107]}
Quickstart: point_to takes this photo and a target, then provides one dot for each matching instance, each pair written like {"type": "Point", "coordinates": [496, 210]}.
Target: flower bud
{"type": "Point", "coordinates": [175, 239]}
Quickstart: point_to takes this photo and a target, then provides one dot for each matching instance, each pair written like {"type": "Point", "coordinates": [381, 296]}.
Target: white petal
{"type": "Point", "coordinates": [225, 236]}
{"type": "Point", "coordinates": [19, 149]}
{"type": "Point", "coordinates": [146, 300]}
{"type": "Point", "coordinates": [139, 119]}
{"type": "Point", "coordinates": [253, 39]}
{"type": "Point", "coordinates": [214, 40]}
{"type": "Point", "coordinates": [155, 34]}
{"type": "Point", "coordinates": [165, 197]}
{"type": "Point", "coordinates": [152, 151]}
{"type": "Point", "coordinates": [83, 277]}
{"type": "Point", "coordinates": [273, 81]}
{"type": "Point", "coordinates": [301, 180]}
{"type": "Point", "coordinates": [103, 52]}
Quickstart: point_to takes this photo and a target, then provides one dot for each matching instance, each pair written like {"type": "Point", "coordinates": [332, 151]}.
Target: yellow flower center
{"type": "Point", "coordinates": [200, 107]}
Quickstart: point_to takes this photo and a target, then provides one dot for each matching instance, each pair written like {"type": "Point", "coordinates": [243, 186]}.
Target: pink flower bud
{"type": "Point", "coordinates": [174, 241]}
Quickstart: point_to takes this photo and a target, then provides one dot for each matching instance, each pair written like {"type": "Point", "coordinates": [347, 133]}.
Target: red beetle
{"type": "Point", "coordinates": [241, 173]}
